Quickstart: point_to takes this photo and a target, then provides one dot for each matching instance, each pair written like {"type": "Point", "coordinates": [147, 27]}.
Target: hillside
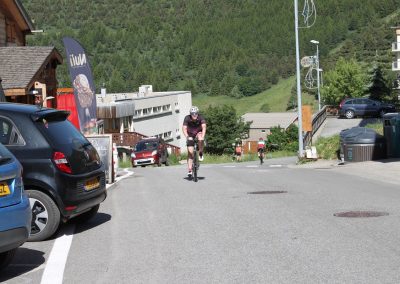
{"type": "Point", "coordinates": [221, 47]}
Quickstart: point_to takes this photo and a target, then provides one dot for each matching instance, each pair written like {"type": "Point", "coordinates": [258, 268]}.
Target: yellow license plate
{"type": "Point", "coordinates": [92, 184]}
{"type": "Point", "coordinates": [4, 189]}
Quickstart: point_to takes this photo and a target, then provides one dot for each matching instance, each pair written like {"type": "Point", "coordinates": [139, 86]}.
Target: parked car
{"type": "Point", "coordinates": [353, 107]}
{"type": "Point", "coordinates": [149, 151]}
{"type": "Point", "coordinates": [15, 212]}
{"type": "Point", "coordinates": [63, 174]}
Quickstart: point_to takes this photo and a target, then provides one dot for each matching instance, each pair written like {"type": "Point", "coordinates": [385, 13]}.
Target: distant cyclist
{"type": "Point", "coordinates": [194, 125]}
{"type": "Point", "coordinates": [261, 149]}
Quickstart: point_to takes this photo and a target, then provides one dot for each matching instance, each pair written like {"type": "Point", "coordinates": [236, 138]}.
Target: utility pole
{"type": "Point", "coordinates": [299, 104]}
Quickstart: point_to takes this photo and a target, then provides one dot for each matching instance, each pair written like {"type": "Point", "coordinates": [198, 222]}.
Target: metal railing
{"type": "Point", "coordinates": [317, 121]}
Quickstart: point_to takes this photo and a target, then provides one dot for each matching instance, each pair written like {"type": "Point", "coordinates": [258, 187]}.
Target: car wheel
{"type": "Point", "coordinates": [167, 162]}
{"type": "Point", "coordinates": [45, 216]}
{"type": "Point", "coordinates": [349, 114]}
{"type": "Point", "coordinates": [6, 257]}
{"type": "Point", "coordinates": [84, 217]}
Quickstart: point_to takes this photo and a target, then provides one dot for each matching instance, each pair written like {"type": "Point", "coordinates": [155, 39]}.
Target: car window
{"type": "Point", "coordinates": [61, 133]}
{"type": "Point", "coordinates": [348, 102]}
{"type": "Point", "coordinates": [9, 134]}
{"type": "Point", "coordinates": [146, 145]}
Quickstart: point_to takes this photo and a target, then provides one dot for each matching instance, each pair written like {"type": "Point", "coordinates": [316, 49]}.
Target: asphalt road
{"type": "Point", "coordinates": [333, 125]}
{"type": "Point", "coordinates": [158, 227]}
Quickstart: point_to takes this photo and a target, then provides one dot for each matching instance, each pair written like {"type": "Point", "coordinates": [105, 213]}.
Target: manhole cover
{"type": "Point", "coordinates": [267, 192]}
{"type": "Point", "coordinates": [360, 214]}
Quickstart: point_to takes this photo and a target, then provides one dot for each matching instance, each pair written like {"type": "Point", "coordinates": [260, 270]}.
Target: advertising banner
{"type": "Point", "coordinates": [82, 81]}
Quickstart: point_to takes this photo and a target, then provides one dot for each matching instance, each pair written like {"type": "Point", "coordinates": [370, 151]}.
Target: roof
{"type": "Point", "coordinates": [24, 15]}
{"type": "Point", "coordinates": [19, 64]}
{"type": "Point", "coordinates": [268, 120]}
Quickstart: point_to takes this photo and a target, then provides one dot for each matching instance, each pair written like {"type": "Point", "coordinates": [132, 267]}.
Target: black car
{"type": "Point", "coordinates": [353, 107]}
{"type": "Point", "coordinates": [62, 171]}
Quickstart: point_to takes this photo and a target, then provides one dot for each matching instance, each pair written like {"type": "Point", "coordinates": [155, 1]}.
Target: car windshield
{"type": "Point", "coordinates": [146, 146]}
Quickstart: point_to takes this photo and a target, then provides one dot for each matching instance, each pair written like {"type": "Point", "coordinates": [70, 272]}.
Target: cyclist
{"type": "Point", "coordinates": [261, 149]}
{"type": "Point", "coordinates": [194, 125]}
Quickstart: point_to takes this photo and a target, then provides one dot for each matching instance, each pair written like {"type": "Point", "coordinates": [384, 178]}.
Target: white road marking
{"type": "Point", "coordinates": [229, 166]}
{"type": "Point", "coordinates": [55, 265]}
{"type": "Point", "coordinates": [251, 166]}
{"type": "Point", "coordinates": [275, 166]}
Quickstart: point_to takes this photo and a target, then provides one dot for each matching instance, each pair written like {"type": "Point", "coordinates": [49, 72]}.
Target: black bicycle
{"type": "Point", "coordinates": [196, 163]}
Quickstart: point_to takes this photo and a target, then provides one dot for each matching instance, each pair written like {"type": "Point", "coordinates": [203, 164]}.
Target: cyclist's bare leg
{"type": "Point", "coordinates": [190, 158]}
{"type": "Point", "coordinates": [201, 142]}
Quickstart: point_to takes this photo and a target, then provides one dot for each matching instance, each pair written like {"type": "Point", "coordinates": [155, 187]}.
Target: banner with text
{"type": "Point", "coordinates": [82, 81]}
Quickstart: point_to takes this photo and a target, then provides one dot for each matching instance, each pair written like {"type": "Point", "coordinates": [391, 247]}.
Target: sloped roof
{"type": "Point", "coordinates": [19, 64]}
{"type": "Point", "coordinates": [272, 119]}
{"type": "Point", "coordinates": [25, 15]}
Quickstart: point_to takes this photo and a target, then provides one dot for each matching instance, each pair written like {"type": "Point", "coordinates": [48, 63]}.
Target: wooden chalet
{"type": "Point", "coordinates": [24, 68]}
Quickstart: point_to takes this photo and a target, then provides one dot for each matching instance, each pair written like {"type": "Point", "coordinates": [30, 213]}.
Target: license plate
{"type": "Point", "coordinates": [4, 189]}
{"type": "Point", "coordinates": [92, 184]}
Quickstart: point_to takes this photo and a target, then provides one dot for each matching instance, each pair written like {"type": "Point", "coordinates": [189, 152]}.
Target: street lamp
{"type": "Point", "coordinates": [317, 59]}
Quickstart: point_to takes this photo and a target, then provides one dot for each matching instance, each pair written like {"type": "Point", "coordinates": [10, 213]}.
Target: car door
{"type": "Point", "coordinates": [360, 107]}
{"type": "Point", "coordinates": [372, 107]}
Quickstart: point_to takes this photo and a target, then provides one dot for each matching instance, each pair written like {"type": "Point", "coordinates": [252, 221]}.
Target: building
{"type": "Point", "coordinates": [159, 114]}
{"type": "Point", "coordinates": [24, 69]}
{"type": "Point", "coordinates": [261, 124]}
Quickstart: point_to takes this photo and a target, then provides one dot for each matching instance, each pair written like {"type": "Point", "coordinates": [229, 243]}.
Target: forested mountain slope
{"type": "Point", "coordinates": [219, 47]}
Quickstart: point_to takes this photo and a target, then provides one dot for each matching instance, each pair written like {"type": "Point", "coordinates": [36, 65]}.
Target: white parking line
{"type": "Point", "coordinates": [251, 166]}
{"type": "Point", "coordinates": [55, 265]}
{"type": "Point", "coordinates": [275, 166]}
{"type": "Point", "coordinates": [229, 166]}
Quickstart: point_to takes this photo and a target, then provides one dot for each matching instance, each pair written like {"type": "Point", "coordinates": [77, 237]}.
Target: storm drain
{"type": "Point", "coordinates": [360, 214]}
{"type": "Point", "coordinates": [267, 192]}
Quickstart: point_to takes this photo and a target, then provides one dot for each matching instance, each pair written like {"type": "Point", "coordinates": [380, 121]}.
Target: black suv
{"type": "Point", "coordinates": [62, 172]}
{"type": "Point", "coordinates": [351, 108]}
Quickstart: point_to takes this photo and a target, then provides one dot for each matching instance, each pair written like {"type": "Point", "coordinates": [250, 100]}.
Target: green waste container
{"type": "Point", "coordinates": [391, 131]}
{"type": "Point", "coordinates": [360, 144]}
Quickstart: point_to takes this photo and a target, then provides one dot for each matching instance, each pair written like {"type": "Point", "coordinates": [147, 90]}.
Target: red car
{"type": "Point", "coordinates": [150, 151]}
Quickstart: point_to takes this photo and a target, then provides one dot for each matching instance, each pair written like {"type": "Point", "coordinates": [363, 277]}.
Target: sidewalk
{"type": "Point", "coordinates": [387, 170]}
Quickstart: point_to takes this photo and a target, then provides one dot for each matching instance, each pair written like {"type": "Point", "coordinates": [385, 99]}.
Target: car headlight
{"type": "Point", "coordinates": [154, 153]}
{"type": "Point", "coordinates": [133, 155]}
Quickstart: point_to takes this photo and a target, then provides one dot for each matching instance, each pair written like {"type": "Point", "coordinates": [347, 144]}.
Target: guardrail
{"type": "Point", "coordinates": [318, 119]}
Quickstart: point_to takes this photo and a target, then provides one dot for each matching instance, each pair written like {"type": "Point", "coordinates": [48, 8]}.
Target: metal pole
{"type": "Point", "coordinates": [319, 96]}
{"type": "Point", "coordinates": [300, 118]}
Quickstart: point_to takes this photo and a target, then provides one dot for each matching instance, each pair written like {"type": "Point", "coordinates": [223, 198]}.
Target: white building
{"type": "Point", "coordinates": [146, 112]}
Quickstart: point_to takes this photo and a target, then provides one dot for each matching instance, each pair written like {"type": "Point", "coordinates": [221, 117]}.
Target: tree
{"type": "Point", "coordinates": [347, 79]}
{"type": "Point", "coordinates": [223, 127]}
{"type": "Point", "coordinates": [377, 87]}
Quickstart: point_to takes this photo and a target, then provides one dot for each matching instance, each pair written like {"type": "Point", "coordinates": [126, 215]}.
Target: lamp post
{"type": "Point", "coordinates": [300, 118]}
{"type": "Point", "coordinates": [317, 59]}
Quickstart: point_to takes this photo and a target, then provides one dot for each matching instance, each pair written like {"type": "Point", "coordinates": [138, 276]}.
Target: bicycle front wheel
{"type": "Point", "coordinates": [195, 166]}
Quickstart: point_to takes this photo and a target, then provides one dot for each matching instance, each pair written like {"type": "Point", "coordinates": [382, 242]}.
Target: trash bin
{"type": "Point", "coordinates": [359, 144]}
{"type": "Point", "coordinates": [391, 131]}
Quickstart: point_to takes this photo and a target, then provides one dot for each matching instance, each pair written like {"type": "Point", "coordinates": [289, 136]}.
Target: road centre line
{"type": "Point", "coordinates": [54, 271]}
